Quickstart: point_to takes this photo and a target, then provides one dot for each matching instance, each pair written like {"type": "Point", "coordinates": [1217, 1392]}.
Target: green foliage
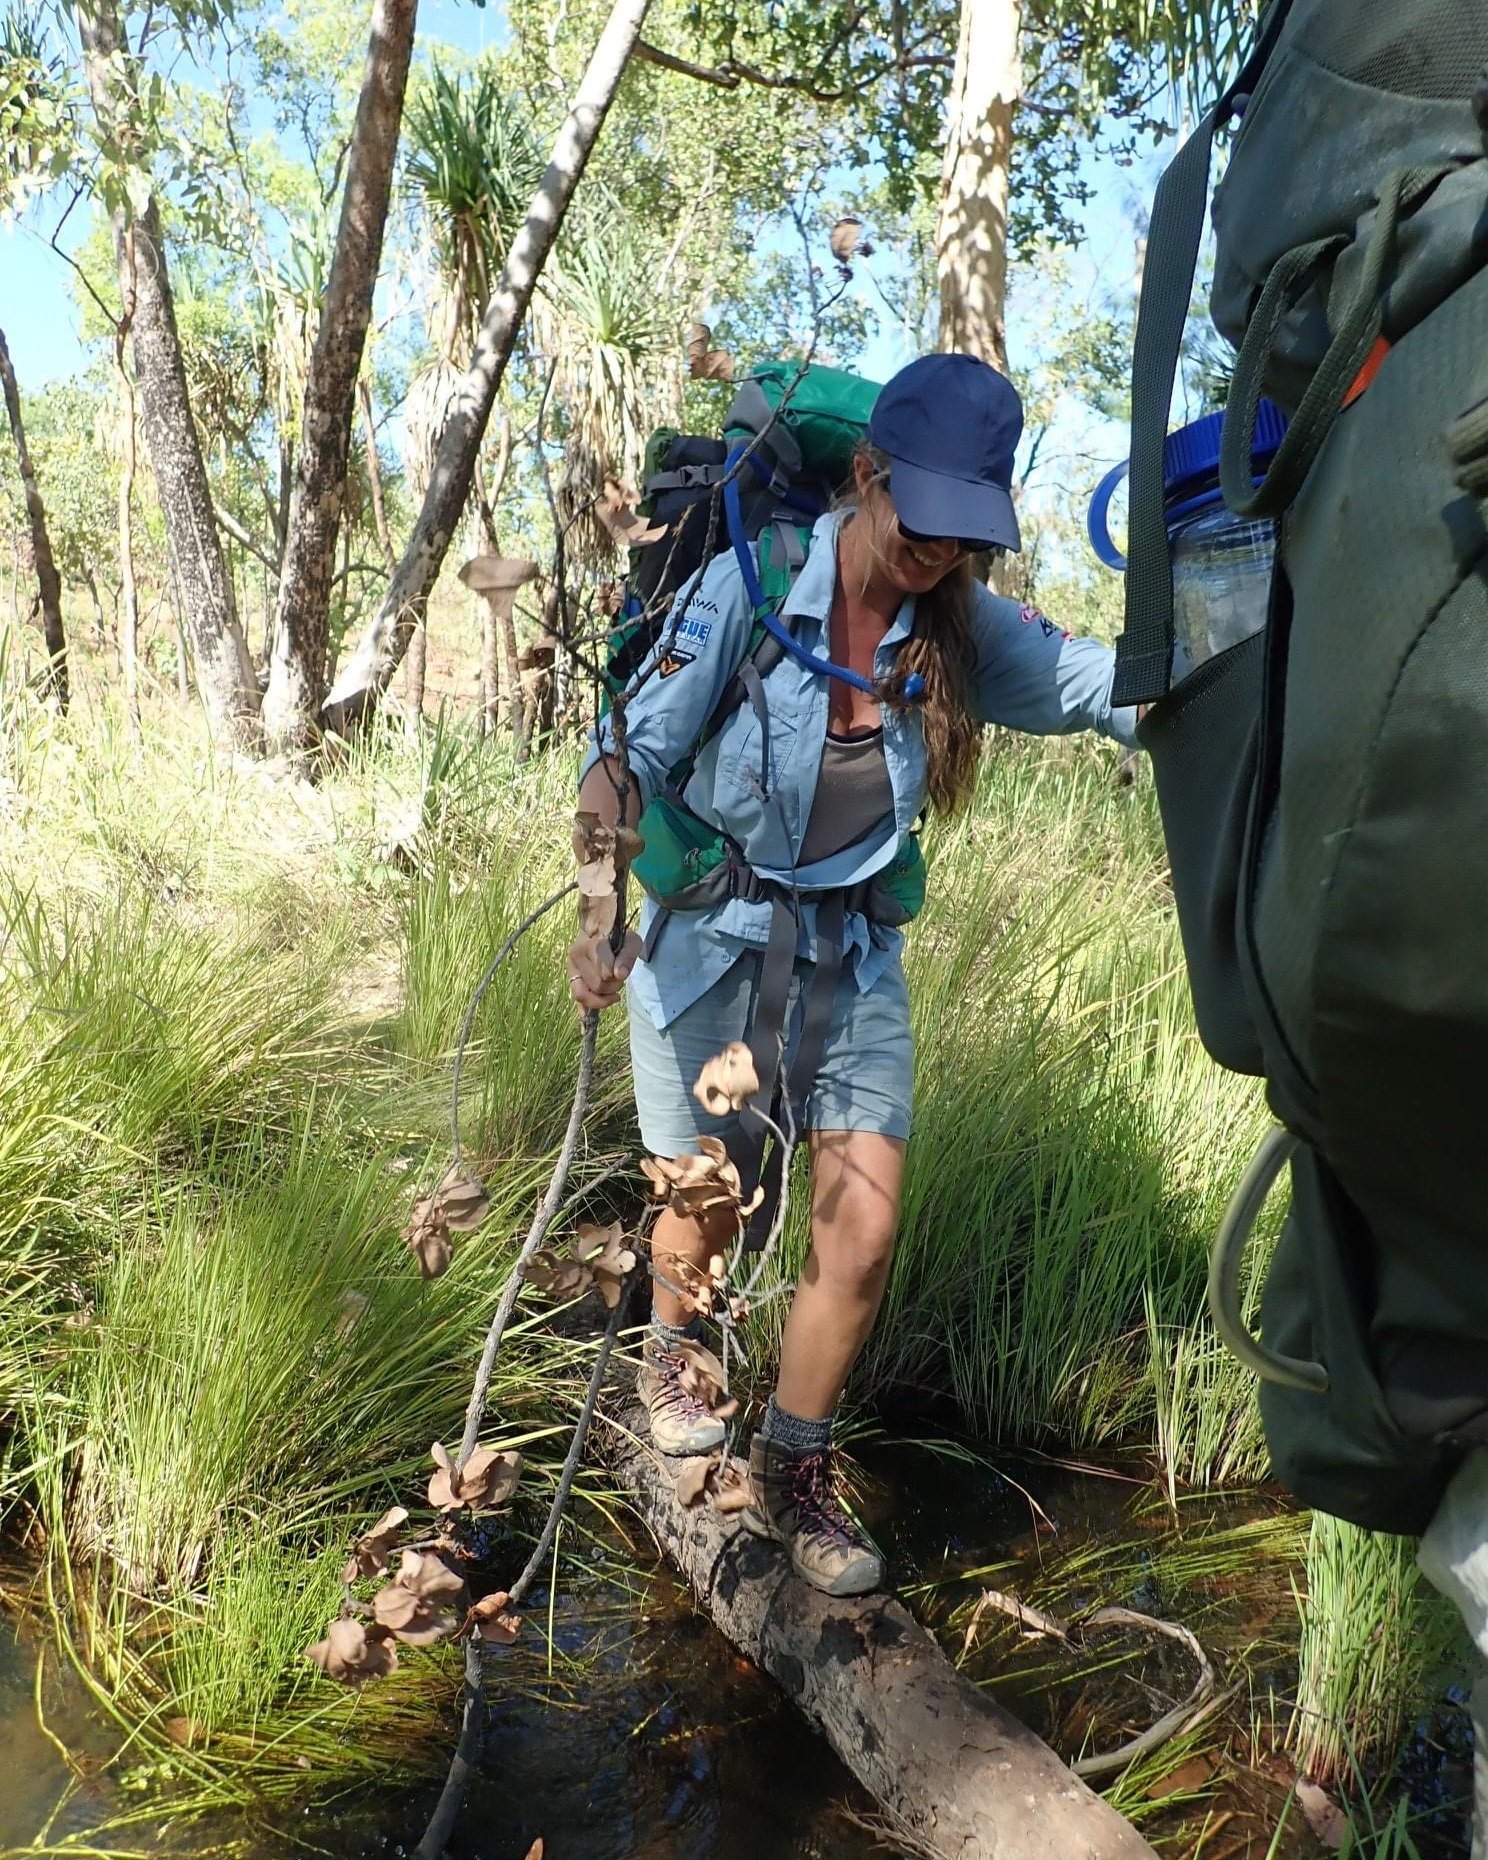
{"type": "Point", "coordinates": [879, 73]}
{"type": "Point", "coordinates": [37, 108]}
{"type": "Point", "coordinates": [473, 163]}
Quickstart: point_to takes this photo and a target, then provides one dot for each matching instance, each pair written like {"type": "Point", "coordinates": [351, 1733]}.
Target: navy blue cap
{"type": "Point", "coordinates": [951, 424]}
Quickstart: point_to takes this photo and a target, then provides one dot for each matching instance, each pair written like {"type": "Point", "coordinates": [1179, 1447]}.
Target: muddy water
{"type": "Point", "coordinates": [666, 1746]}
{"type": "Point", "coordinates": [672, 1749]}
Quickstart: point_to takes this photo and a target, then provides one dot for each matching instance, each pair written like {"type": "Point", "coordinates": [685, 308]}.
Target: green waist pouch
{"type": "Point", "coordinates": [687, 864]}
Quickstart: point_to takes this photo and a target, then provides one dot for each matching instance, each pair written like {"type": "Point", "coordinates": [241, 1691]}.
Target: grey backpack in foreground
{"type": "Point", "coordinates": [1324, 786]}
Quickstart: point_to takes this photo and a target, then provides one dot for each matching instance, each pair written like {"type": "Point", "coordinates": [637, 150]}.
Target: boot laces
{"type": "Point", "coordinates": [811, 1490]}
{"type": "Point", "coordinates": [674, 1398]}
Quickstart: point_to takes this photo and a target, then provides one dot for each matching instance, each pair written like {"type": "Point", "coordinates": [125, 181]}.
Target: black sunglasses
{"type": "Point", "coordinates": [963, 543]}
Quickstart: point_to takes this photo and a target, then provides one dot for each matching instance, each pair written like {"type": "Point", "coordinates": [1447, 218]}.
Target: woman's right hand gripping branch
{"type": "Point", "coordinates": [596, 973]}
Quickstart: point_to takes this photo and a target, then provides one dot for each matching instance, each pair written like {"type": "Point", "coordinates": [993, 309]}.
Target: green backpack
{"type": "Point", "coordinates": [1324, 785]}
{"type": "Point", "coordinates": [789, 437]}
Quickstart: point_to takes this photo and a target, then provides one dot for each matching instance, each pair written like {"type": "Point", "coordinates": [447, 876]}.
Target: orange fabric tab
{"type": "Point", "coordinates": [1373, 362]}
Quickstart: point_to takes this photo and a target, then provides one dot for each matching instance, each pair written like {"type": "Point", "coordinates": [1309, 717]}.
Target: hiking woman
{"type": "Point", "coordinates": [818, 782]}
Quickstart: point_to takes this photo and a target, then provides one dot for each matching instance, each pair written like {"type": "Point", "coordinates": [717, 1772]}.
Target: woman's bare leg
{"type": "Point", "coordinates": [856, 1180]}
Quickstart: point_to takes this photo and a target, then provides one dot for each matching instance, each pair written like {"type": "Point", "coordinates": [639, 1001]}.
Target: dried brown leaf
{"type": "Point", "coordinates": [702, 1375]}
{"type": "Point", "coordinates": [598, 915]}
{"type": "Point", "coordinates": [369, 1554]}
{"type": "Point", "coordinates": [1326, 1819]}
{"type": "Point", "coordinates": [616, 511]}
{"type": "Point", "coordinates": [414, 1622]}
{"type": "Point", "coordinates": [427, 1237]}
{"type": "Point", "coordinates": [728, 1081]}
{"type": "Point", "coordinates": [732, 1492]}
{"type": "Point", "coordinates": [464, 1200]}
{"type": "Point", "coordinates": [417, 1605]}
{"type": "Point", "coordinates": [693, 1286]}
{"type": "Point", "coordinates": [1182, 1781]}
{"type": "Point", "coordinates": [691, 1483]}
{"type": "Point", "coordinates": [557, 1274]}
{"type": "Point", "coordinates": [497, 574]}
{"type": "Point", "coordinates": [491, 1620]}
{"type": "Point", "coordinates": [353, 1653]}
{"type": "Point", "coordinates": [459, 1204]}
{"type": "Point", "coordinates": [487, 1479]}
{"type": "Point", "coordinates": [603, 1253]}
{"type": "Point", "coordinates": [692, 1185]}
{"type": "Point", "coordinates": [699, 341]}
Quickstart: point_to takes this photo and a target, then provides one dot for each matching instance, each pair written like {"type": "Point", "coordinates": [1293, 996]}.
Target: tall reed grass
{"type": "Point", "coordinates": [227, 1008]}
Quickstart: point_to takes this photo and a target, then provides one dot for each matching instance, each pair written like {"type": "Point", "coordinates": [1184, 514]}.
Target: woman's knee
{"type": "Point", "coordinates": [852, 1237]}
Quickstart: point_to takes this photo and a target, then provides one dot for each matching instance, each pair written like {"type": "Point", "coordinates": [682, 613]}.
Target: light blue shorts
{"type": "Point", "coordinates": [864, 1082]}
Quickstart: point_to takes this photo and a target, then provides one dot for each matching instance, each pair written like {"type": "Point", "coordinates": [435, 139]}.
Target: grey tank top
{"type": "Point", "coordinates": [853, 795]}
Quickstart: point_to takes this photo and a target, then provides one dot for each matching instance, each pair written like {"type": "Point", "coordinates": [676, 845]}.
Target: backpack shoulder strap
{"type": "Point", "coordinates": [1144, 653]}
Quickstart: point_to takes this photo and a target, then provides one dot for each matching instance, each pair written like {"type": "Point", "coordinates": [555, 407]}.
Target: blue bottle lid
{"type": "Point", "coordinates": [1193, 451]}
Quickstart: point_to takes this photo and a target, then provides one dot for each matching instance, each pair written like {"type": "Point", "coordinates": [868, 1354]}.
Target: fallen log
{"type": "Point", "coordinates": [947, 1764]}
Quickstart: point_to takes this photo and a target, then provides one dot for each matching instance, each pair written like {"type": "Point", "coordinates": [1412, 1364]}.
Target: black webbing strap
{"type": "Point", "coordinates": [1144, 653]}
{"type": "Point", "coordinates": [767, 1042]}
{"type": "Point", "coordinates": [685, 478]}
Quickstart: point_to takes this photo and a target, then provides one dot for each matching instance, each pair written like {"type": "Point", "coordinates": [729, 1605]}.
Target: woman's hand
{"type": "Point", "coordinates": [595, 975]}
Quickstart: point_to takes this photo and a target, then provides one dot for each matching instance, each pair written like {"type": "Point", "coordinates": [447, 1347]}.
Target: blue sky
{"type": "Point", "coordinates": [40, 318]}
{"type": "Point", "coordinates": [36, 305]}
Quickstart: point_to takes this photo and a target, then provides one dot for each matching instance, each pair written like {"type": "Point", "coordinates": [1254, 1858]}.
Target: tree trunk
{"type": "Point", "coordinates": [128, 593]}
{"type": "Point", "coordinates": [403, 608]}
{"type": "Point", "coordinates": [374, 479]}
{"type": "Point", "coordinates": [48, 582]}
{"type": "Point", "coordinates": [500, 620]}
{"type": "Point", "coordinates": [223, 668]}
{"type": "Point", "coordinates": [955, 1771]}
{"type": "Point", "coordinates": [490, 668]}
{"type": "Point", "coordinates": [971, 229]}
{"type": "Point", "coordinates": [100, 631]}
{"type": "Point", "coordinates": [297, 665]}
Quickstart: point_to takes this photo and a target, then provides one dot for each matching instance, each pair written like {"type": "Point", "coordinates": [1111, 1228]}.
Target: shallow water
{"type": "Point", "coordinates": [664, 1745]}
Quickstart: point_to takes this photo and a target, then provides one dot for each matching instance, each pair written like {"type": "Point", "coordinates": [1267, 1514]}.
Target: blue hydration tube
{"type": "Point", "coordinates": [764, 613]}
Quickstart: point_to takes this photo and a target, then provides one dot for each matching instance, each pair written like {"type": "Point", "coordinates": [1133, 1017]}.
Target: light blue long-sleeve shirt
{"type": "Point", "coordinates": [1028, 675]}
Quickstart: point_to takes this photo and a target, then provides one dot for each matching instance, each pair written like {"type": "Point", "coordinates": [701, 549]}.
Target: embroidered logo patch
{"type": "Point", "coordinates": [1028, 615]}
{"type": "Point", "coordinates": [694, 631]}
{"type": "Point", "coordinates": [673, 662]}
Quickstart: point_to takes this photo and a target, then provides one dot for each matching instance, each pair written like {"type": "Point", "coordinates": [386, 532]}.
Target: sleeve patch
{"type": "Point", "coordinates": [673, 662]}
{"type": "Point", "coordinates": [1031, 616]}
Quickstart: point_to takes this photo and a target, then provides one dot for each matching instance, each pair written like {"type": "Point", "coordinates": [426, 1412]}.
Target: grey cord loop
{"type": "Point", "coordinates": [1225, 1255]}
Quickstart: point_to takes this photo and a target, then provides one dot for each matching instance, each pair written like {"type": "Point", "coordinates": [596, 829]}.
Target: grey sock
{"type": "Point", "coordinates": [664, 1337]}
{"type": "Point", "coordinates": [793, 1431]}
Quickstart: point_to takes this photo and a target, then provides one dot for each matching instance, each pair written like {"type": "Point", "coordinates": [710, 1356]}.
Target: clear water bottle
{"type": "Point", "coordinates": [1221, 581]}
{"type": "Point", "coordinates": [1221, 562]}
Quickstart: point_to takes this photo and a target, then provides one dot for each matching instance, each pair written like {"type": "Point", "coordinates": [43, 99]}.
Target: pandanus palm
{"type": "Point", "coordinates": [473, 167]}
{"type": "Point", "coordinates": [604, 318]}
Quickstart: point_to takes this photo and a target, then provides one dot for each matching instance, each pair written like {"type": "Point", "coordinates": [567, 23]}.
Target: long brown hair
{"type": "Point", "coordinates": [941, 649]}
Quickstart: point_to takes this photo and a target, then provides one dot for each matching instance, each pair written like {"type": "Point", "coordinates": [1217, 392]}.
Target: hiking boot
{"type": "Point", "coordinates": [680, 1423]}
{"type": "Point", "coordinates": [794, 1503]}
